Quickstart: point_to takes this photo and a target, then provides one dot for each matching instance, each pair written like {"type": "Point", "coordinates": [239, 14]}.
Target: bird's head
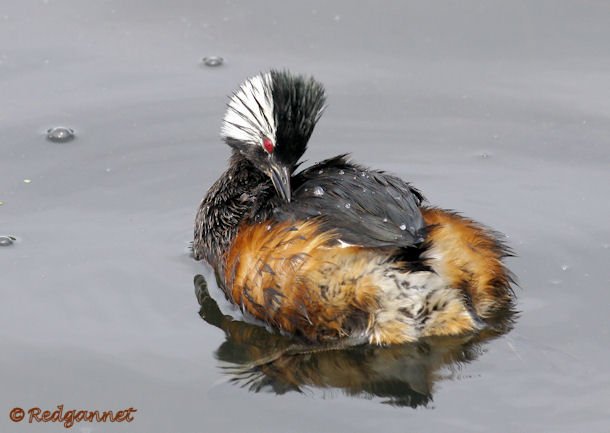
{"type": "Point", "coordinates": [269, 120]}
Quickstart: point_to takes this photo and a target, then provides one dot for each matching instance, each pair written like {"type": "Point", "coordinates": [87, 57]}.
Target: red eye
{"type": "Point", "coordinates": [268, 145]}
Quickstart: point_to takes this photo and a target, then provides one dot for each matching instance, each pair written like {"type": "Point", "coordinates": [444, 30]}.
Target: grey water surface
{"type": "Point", "coordinates": [500, 110]}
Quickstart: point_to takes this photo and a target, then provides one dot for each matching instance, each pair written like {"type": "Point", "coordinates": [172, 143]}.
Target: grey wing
{"type": "Point", "coordinates": [365, 207]}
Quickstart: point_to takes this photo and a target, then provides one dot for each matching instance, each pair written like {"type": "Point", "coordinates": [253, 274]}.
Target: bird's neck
{"type": "Point", "coordinates": [242, 193]}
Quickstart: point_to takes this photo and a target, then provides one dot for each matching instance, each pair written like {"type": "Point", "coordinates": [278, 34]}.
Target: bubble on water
{"type": "Point", "coordinates": [27, 180]}
{"type": "Point", "coordinates": [213, 61]}
{"type": "Point", "coordinates": [403, 227]}
{"type": "Point", "coordinates": [347, 205]}
{"type": "Point", "coordinates": [341, 172]}
{"type": "Point", "coordinates": [60, 134]}
{"type": "Point", "coordinates": [6, 241]}
{"type": "Point", "coordinates": [318, 191]}
{"type": "Point", "coordinates": [564, 267]}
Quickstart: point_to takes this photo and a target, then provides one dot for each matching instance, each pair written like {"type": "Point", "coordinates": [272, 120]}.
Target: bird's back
{"type": "Point", "coordinates": [355, 255]}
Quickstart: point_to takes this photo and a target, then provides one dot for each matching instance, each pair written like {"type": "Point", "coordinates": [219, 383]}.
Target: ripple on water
{"type": "Point", "coordinates": [6, 241]}
{"type": "Point", "coordinates": [60, 134]}
{"type": "Point", "coordinates": [213, 61]}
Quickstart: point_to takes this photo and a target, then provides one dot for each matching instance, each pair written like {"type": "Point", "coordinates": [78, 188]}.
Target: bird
{"type": "Point", "coordinates": [337, 252]}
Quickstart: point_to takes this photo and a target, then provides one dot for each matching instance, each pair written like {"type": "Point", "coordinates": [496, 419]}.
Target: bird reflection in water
{"type": "Point", "coordinates": [400, 375]}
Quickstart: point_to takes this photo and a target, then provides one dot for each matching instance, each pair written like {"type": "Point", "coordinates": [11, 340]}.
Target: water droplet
{"type": "Point", "coordinates": [27, 181]}
{"type": "Point", "coordinates": [306, 189]}
{"type": "Point", "coordinates": [318, 191]}
{"type": "Point", "coordinates": [341, 172]}
{"type": "Point", "coordinates": [60, 134]}
{"type": "Point", "coordinates": [268, 227]}
{"type": "Point", "coordinates": [403, 227]}
{"type": "Point", "coordinates": [385, 220]}
{"type": "Point", "coordinates": [5, 241]}
{"type": "Point", "coordinates": [363, 189]}
{"type": "Point", "coordinates": [320, 171]}
{"type": "Point", "coordinates": [213, 61]}
{"type": "Point", "coordinates": [347, 205]}
{"type": "Point", "coordinates": [363, 174]}
{"type": "Point", "coordinates": [564, 267]}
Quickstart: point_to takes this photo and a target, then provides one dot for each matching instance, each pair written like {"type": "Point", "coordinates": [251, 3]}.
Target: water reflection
{"type": "Point", "coordinates": [401, 375]}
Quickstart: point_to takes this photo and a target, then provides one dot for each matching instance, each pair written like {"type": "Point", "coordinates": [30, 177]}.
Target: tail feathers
{"type": "Point", "coordinates": [468, 256]}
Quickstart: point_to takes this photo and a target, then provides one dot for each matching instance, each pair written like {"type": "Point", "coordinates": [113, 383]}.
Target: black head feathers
{"type": "Point", "coordinates": [273, 114]}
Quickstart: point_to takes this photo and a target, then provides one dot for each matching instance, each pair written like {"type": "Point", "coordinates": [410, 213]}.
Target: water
{"type": "Point", "coordinates": [98, 309]}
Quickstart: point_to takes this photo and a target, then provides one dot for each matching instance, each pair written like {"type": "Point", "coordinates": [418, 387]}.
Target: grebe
{"type": "Point", "coordinates": [336, 251]}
